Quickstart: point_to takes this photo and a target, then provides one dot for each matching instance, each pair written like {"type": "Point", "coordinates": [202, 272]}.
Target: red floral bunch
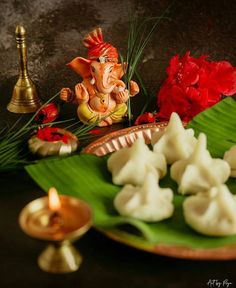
{"type": "Point", "coordinates": [194, 84]}
{"type": "Point", "coordinates": [47, 114]}
{"type": "Point", "coordinates": [51, 134]}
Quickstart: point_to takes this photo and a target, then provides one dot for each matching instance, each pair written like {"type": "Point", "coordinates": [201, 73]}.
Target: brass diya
{"type": "Point", "coordinates": [24, 98]}
{"type": "Point", "coordinates": [60, 221]}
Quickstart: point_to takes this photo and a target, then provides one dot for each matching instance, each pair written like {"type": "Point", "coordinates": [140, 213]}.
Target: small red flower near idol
{"type": "Point", "coordinates": [144, 118]}
{"type": "Point", "coordinates": [47, 114]}
{"type": "Point", "coordinates": [194, 84]}
{"type": "Point", "coordinates": [95, 132]}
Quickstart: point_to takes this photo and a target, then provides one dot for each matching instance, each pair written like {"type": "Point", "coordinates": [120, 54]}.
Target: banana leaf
{"type": "Point", "coordinates": [86, 176]}
{"type": "Point", "coordinates": [218, 123]}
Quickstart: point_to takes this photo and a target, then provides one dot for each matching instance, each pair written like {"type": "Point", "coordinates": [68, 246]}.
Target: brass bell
{"type": "Point", "coordinates": [24, 97]}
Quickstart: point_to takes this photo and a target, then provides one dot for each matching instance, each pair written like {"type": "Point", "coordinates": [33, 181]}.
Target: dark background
{"type": "Point", "coordinates": [55, 31]}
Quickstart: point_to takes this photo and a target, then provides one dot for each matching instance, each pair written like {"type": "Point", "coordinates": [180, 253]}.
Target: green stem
{"type": "Point", "coordinates": [138, 39]}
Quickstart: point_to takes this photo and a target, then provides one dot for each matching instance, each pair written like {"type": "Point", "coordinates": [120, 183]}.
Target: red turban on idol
{"type": "Point", "coordinates": [98, 49]}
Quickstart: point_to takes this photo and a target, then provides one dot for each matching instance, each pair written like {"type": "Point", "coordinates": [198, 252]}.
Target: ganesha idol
{"type": "Point", "coordinates": [102, 95]}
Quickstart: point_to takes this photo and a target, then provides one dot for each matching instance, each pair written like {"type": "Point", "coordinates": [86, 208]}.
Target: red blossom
{"type": "Point", "coordinates": [47, 114]}
{"type": "Point", "coordinates": [194, 84]}
{"type": "Point", "coordinates": [95, 132]}
{"type": "Point", "coordinates": [51, 134]}
{"type": "Point", "coordinates": [144, 118]}
{"type": "Point", "coordinates": [184, 71]}
{"type": "Point", "coordinates": [219, 76]}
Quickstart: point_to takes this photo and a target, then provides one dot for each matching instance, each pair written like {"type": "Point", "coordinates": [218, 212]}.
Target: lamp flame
{"type": "Point", "coordinates": [54, 200]}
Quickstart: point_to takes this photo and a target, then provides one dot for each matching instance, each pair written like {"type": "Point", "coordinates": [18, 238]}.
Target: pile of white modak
{"type": "Point", "coordinates": [211, 208]}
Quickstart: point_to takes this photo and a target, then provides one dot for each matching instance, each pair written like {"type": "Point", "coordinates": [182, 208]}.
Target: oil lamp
{"type": "Point", "coordinates": [60, 220]}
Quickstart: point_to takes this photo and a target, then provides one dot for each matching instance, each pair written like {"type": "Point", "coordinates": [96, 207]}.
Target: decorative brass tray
{"type": "Point", "coordinates": [123, 138]}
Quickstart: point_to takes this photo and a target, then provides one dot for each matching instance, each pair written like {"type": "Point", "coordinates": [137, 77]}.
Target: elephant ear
{"type": "Point", "coordinates": [118, 70]}
{"type": "Point", "coordinates": [81, 66]}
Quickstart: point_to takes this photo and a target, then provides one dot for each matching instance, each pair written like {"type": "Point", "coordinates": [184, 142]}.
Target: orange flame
{"type": "Point", "coordinates": [54, 200]}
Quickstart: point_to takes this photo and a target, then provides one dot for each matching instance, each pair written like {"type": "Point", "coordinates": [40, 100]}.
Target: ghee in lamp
{"type": "Point", "coordinates": [59, 220]}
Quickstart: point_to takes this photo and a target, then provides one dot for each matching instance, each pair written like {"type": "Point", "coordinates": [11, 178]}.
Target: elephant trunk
{"type": "Point", "coordinates": [105, 84]}
{"type": "Point", "coordinates": [108, 82]}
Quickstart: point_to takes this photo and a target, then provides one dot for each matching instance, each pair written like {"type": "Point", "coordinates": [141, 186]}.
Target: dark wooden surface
{"type": "Point", "coordinates": [55, 30]}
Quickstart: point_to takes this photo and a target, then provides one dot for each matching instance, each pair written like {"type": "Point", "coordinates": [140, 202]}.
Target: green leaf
{"type": "Point", "coordinates": [218, 123]}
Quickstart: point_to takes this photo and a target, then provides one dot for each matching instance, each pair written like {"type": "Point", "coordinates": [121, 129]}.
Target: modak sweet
{"type": "Point", "coordinates": [199, 172]}
{"type": "Point", "coordinates": [130, 165]}
{"type": "Point", "coordinates": [175, 142]}
{"type": "Point", "coordinates": [230, 157]}
{"type": "Point", "coordinates": [148, 202]}
{"type": "Point", "coordinates": [213, 212]}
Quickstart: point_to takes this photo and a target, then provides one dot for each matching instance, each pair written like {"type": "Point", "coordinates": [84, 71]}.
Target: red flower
{"type": "Point", "coordinates": [51, 134]}
{"type": "Point", "coordinates": [171, 100]}
{"type": "Point", "coordinates": [184, 72]}
{"type": "Point", "coordinates": [220, 77]}
{"type": "Point", "coordinates": [194, 84]}
{"type": "Point", "coordinates": [144, 118]}
{"type": "Point", "coordinates": [95, 132]}
{"type": "Point", "coordinates": [47, 114]}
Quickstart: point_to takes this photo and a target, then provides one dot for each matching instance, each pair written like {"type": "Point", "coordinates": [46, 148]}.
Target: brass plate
{"type": "Point", "coordinates": [124, 138]}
